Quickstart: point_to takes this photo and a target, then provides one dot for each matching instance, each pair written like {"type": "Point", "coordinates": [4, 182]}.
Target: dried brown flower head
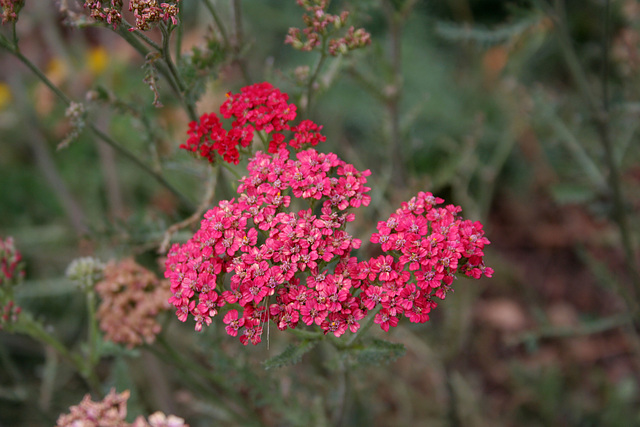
{"type": "Point", "coordinates": [132, 297]}
{"type": "Point", "coordinates": [111, 412]}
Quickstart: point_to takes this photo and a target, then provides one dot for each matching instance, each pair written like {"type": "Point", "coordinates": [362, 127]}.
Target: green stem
{"type": "Point", "coordinates": [166, 55]}
{"type": "Point", "coordinates": [193, 367]}
{"type": "Point", "coordinates": [239, 42]}
{"type": "Point", "coordinates": [179, 32]}
{"type": "Point", "coordinates": [93, 356]}
{"type": "Point", "coordinates": [128, 154]}
{"type": "Point", "coordinates": [364, 327]}
{"type": "Point", "coordinates": [28, 326]}
{"type": "Point", "coordinates": [219, 24]}
{"type": "Point", "coordinates": [314, 76]}
{"type": "Point", "coordinates": [126, 26]}
{"type": "Point", "coordinates": [396, 22]}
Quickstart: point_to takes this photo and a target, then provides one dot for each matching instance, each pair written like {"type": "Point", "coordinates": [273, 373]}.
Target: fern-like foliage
{"type": "Point", "coordinates": [291, 355]}
{"type": "Point", "coordinates": [377, 352]}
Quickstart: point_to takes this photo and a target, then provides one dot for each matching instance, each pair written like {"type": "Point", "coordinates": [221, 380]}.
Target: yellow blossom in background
{"type": "Point", "coordinates": [97, 60]}
{"type": "Point", "coordinates": [57, 70]}
{"type": "Point", "coordinates": [5, 95]}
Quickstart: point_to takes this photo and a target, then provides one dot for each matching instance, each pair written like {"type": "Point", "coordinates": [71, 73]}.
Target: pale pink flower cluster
{"type": "Point", "coordinates": [320, 24]}
{"type": "Point", "coordinates": [147, 12]}
{"type": "Point", "coordinates": [112, 412]}
{"type": "Point", "coordinates": [131, 299]}
{"type": "Point", "coordinates": [10, 10]}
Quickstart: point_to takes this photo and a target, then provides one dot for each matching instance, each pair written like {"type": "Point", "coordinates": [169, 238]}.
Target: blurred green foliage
{"type": "Point", "coordinates": [490, 118]}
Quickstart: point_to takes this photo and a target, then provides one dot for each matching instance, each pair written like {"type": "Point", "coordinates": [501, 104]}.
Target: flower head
{"type": "Point", "coordinates": [85, 272]}
{"type": "Point", "coordinates": [257, 108]}
{"type": "Point", "coordinates": [132, 297]}
{"type": "Point", "coordinates": [112, 412]}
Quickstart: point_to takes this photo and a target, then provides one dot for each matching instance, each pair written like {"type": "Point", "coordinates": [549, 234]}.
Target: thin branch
{"type": "Point", "coordinates": [584, 329]}
{"type": "Point", "coordinates": [204, 205]}
{"type": "Point", "coordinates": [219, 24]}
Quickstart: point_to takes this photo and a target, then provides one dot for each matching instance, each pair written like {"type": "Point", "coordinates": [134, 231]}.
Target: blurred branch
{"type": "Point", "coordinates": [166, 55]}
{"type": "Point", "coordinates": [46, 164]}
{"type": "Point", "coordinates": [112, 186]}
{"type": "Point", "coordinates": [29, 326]}
{"type": "Point", "coordinates": [238, 44]}
{"type": "Point", "coordinates": [219, 23]}
{"type": "Point", "coordinates": [586, 328]}
{"type": "Point", "coordinates": [14, 50]}
{"type": "Point", "coordinates": [207, 200]}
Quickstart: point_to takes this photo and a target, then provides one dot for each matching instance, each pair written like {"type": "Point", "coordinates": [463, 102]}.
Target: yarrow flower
{"type": "Point", "coordinates": [132, 297]}
{"type": "Point", "coordinates": [111, 14]}
{"type": "Point", "coordinates": [148, 13]}
{"type": "Point", "coordinates": [320, 25]}
{"type": "Point", "coordinates": [257, 108]}
{"type": "Point", "coordinates": [293, 244]}
{"type": "Point", "coordinates": [11, 274]}
{"type": "Point", "coordinates": [112, 412]}
{"type": "Point", "coordinates": [272, 263]}
{"type": "Point", "coordinates": [85, 272]}
{"type": "Point", "coordinates": [10, 10]}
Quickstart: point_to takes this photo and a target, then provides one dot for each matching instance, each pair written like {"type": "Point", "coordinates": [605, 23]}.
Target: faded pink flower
{"type": "Point", "coordinates": [112, 412]}
{"type": "Point", "coordinates": [131, 298]}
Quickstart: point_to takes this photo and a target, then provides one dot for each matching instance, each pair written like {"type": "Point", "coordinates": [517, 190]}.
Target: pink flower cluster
{"type": "Point", "coordinates": [10, 9]}
{"type": "Point", "coordinates": [268, 250]}
{"type": "Point", "coordinates": [10, 259]}
{"type": "Point", "coordinates": [296, 267]}
{"type": "Point", "coordinates": [147, 12]}
{"type": "Point", "coordinates": [150, 12]}
{"type": "Point", "coordinates": [259, 107]}
{"type": "Point", "coordinates": [319, 24]}
{"type": "Point", "coordinates": [425, 246]}
{"type": "Point", "coordinates": [109, 14]}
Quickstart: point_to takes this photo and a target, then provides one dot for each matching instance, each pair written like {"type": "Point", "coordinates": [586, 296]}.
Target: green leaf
{"type": "Point", "coordinates": [378, 352]}
{"type": "Point", "coordinates": [291, 355]}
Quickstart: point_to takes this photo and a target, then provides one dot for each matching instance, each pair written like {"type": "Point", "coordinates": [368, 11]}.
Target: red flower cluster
{"type": "Point", "coordinates": [259, 107]}
{"type": "Point", "coordinates": [293, 267]}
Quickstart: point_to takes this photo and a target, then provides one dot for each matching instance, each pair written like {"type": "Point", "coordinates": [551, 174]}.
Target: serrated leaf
{"type": "Point", "coordinates": [378, 352]}
{"type": "Point", "coordinates": [290, 356]}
